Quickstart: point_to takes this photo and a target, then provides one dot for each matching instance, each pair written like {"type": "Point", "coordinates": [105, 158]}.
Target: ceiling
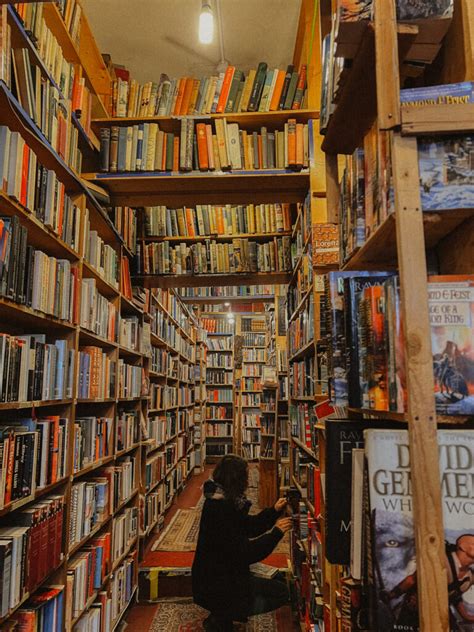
{"type": "Point", "coordinates": [153, 36]}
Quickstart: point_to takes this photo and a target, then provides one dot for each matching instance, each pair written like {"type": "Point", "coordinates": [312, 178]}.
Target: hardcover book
{"type": "Point", "coordinates": [393, 569]}
{"type": "Point", "coordinates": [451, 305]}
{"type": "Point", "coordinates": [446, 172]}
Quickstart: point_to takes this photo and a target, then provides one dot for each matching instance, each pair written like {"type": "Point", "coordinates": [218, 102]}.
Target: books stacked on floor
{"type": "Point", "coordinates": [32, 369]}
{"type": "Point", "coordinates": [366, 306]}
{"type": "Point", "coordinates": [206, 220]}
{"type": "Point", "coordinates": [199, 147]}
{"type": "Point", "coordinates": [262, 89]}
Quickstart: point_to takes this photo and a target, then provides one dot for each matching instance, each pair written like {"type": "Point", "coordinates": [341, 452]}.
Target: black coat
{"type": "Point", "coordinates": [229, 541]}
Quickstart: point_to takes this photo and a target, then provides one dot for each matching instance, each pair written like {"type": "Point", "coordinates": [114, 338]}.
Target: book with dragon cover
{"type": "Point", "coordinates": [392, 558]}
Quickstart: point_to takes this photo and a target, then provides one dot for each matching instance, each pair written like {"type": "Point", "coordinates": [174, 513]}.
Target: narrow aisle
{"type": "Point", "coordinates": [165, 573]}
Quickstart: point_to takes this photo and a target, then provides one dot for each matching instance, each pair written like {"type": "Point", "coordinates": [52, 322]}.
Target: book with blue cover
{"type": "Point", "coordinates": [446, 94]}
{"type": "Point", "coordinates": [446, 166]}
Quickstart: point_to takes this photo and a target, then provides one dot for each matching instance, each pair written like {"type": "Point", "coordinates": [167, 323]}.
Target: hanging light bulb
{"type": "Point", "coordinates": [206, 23]}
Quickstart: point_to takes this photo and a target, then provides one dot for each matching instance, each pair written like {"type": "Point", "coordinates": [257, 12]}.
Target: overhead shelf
{"type": "Point", "coordinates": [380, 250]}
{"type": "Point", "coordinates": [145, 189]}
{"type": "Point", "coordinates": [251, 121]}
{"type": "Point", "coordinates": [356, 108]}
{"type": "Point", "coordinates": [438, 119]}
{"type": "Point", "coordinates": [211, 280]}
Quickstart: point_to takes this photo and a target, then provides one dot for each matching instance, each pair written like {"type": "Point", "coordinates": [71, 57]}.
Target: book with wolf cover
{"type": "Point", "coordinates": [393, 568]}
{"type": "Point", "coordinates": [342, 437]}
{"type": "Point", "coordinates": [451, 305]}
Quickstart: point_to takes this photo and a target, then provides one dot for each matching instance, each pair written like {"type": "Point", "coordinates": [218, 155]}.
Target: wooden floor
{"type": "Point", "coordinates": [140, 616]}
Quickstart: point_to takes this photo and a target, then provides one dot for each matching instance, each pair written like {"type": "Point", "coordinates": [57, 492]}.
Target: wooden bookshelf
{"type": "Point", "coordinates": [250, 120]}
{"type": "Point", "coordinates": [186, 239]}
{"type": "Point", "coordinates": [149, 188]}
{"type": "Point", "coordinates": [211, 280]}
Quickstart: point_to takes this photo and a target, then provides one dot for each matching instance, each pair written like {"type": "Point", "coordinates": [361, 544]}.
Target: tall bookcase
{"type": "Point", "coordinates": [220, 426]}
{"type": "Point", "coordinates": [98, 412]}
{"type": "Point", "coordinates": [370, 95]}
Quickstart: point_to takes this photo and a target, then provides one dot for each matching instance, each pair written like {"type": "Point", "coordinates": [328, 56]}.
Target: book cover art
{"type": "Point", "coordinates": [354, 288]}
{"type": "Point", "coordinates": [392, 532]}
{"type": "Point", "coordinates": [446, 172]}
{"type": "Point", "coordinates": [424, 9]}
{"type": "Point", "coordinates": [354, 10]}
{"type": "Point", "coordinates": [337, 356]}
{"type": "Point", "coordinates": [451, 308]}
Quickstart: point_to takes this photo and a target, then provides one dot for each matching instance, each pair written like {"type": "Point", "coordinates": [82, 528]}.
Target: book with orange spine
{"type": "Point", "coordinates": [291, 144]}
{"type": "Point", "coordinates": [179, 96]}
{"type": "Point", "coordinates": [188, 88]}
{"type": "Point", "coordinates": [277, 90]}
{"type": "Point", "coordinates": [202, 146]}
{"type": "Point", "coordinates": [224, 95]}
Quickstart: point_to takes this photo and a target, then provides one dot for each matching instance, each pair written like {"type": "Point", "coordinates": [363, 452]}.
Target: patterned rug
{"type": "Point", "coordinates": [184, 616]}
{"type": "Point", "coordinates": [181, 533]}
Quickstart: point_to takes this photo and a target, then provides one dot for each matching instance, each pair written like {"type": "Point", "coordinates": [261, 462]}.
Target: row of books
{"type": "Point", "coordinates": [212, 257]}
{"type": "Point", "coordinates": [163, 396]}
{"type": "Point", "coordinates": [251, 450]}
{"type": "Point", "coordinates": [124, 531]}
{"type": "Point", "coordinates": [222, 429]}
{"type": "Point", "coordinates": [43, 610]}
{"type": "Point", "coordinates": [166, 327]}
{"type": "Point", "coordinates": [232, 291]}
{"type": "Point", "coordinates": [97, 313]}
{"type": "Point", "coordinates": [134, 335]}
{"type": "Point", "coordinates": [302, 419]}
{"type": "Point", "coordinates": [37, 188]}
{"type": "Point", "coordinates": [254, 355]}
{"type": "Point", "coordinates": [144, 147]}
{"type": "Point", "coordinates": [124, 219]}
{"type": "Point", "coordinates": [253, 324]}
{"type": "Point", "coordinates": [103, 257]}
{"type": "Point", "coordinates": [153, 509]}
{"type": "Point", "coordinates": [251, 370]}
{"type": "Point", "coordinates": [220, 395]}
{"type": "Point", "coordinates": [253, 340]}
{"type": "Point", "coordinates": [155, 468]}
{"type": "Point", "coordinates": [92, 440]}
{"type": "Point", "coordinates": [45, 105]}
{"type": "Point", "coordinates": [131, 380]}
{"type": "Point", "coordinates": [220, 413]}
{"type": "Point", "coordinates": [161, 427]}
{"type": "Point", "coordinates": [33, 369]}
{"type": "Point", "coordinates": [207, 219]}
{"type": "Point", "coordinates": [71, 12]}
{"type": "Point", "coordinates": [302, 378]}
{"type": "Point", "coordinates": [261, 90]}
{"type": "Point", "coordinates": [251, 400]}
{"type": "Point", "coordinates": [122, 481]}
{"type": "Point", "coordinates": [33, 454]}
{"type": "Point", "coordinates": [301, 329]}
{"type": "Point", "coordinates": [159, 360]}
{"type": "Point", "coordinates": [367, 363]}
{"type": "Point", "coordinates": [96, 378]}
{"type": "Point", "coordinates": [30, 547]}
{"type": "Point", "coordinates": [86, 573]}
{"type": "Point", "coordinates": [251, 384]}
{"type": "Point", "coordinates": [127, 429]}
{"type": "Point", "coordinates": [89, 507]}
{"type": "Point", "coordinates": [218, 345]}
{"type": "Point", "coordinates": [216, 326]}
{"type": "Point", "coordinates": [30, 277]}
{"type": "Point", "coordinates": [219, 361]}
{"type": "Point", "coordinates": [214, 376]}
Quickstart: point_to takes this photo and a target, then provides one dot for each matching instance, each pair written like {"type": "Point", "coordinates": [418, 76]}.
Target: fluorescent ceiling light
{"type": "Point", "coordinates": [206, 23]}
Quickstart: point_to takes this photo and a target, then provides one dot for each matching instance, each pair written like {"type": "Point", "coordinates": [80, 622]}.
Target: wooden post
{"type": "Point", "coordinates": [386, 65]}
{"type": "Point", "coordinates": [425, 475]}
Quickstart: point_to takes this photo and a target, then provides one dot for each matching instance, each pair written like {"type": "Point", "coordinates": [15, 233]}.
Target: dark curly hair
{"type": "Point", "coordinates": [232, 474]}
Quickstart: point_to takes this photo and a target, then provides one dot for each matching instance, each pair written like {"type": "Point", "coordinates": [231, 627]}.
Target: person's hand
{"type": "Point", "coordinates": [280, 504]}
{"type": "Point", "coordinates": [284, 524]}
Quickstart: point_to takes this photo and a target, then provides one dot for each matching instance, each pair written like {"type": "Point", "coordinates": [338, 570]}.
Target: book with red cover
{"type": "Point", "coordinates": [224, 95]}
